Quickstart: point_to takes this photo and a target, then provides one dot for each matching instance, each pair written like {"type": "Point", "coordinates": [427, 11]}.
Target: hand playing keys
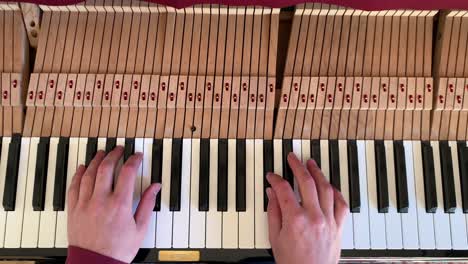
{"type": "Point", "coordinates": [101, 220]}
{"type": "Point", "coordinates": [309, 232]}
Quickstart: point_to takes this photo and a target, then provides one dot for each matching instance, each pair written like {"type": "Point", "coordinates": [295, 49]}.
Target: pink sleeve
{"type": "Point", "coordinates": [78, 255]}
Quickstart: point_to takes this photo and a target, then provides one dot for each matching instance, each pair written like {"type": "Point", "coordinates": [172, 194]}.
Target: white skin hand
{"type": "Point", "coordinates": [101, 219]}
{"type": "Point", "coordinates": [309, 232]}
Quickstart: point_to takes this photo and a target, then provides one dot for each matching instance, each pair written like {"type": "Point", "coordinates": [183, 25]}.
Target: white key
{"type": "Point", "coordinates": [15, 218]}
{"type": "Point", "coordinates": [247, 218]}
{"type": "Point", "coordinates": [361, 219]}
{"type": "Point", "coordinates": [457, 219]}
{"type": "Point", "coordinates": [197, 218]}
{"type": "Point", "coordinates": [82, 152]}
{"type": "Point", "coordinates": [425, 220]}
{"type": "Point", "coordinates": [180, 231]}
{"type": "Point", "coordinates": [3, 167]}
{"type": "Point", "coordinates": [297, 150]}
{"type": "Point", "coordinates": [139, 147]}
{"type": "Point", "coordinates": [119, 142]}
{"type": "Point", "coordinates": [261, 218]}
{"type": "Point", "coordinates": [61, 240]}
{"type": "Point", "coordinates": [324, 159]}
{"type": "Point", "coordinates": [305, 152]}
{"type": "Point", "coordinates": [376, 220]}
{"type": "Point", "coordinates": [150, 236]}
{"type": "Point", "coordinates": [49, 216]}
{"type": "Point", "coordinates": [392, 218]}
{"type": "Point", "coordinates": [101, 145]}
{"type": "Point", "coordinates": [409, 221]}
{"type": "Point", "coordinates": [31, 218]}
{"type": "Point", "coordinates": [347, 241]}
{"type": "Point", "coordinates": [278, 156]}
{"type": "Point", "coordinates": [441, 219]}
{"type": "Point", "coordinates": [213, 217]}
{"type": "Point", "coordinates": [164, 221]}
{"type": "Point", "coordinates": [230, 218]}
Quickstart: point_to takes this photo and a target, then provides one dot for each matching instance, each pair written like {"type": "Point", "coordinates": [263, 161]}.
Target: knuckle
{"type": "Point", "coordinates": [104, 167]}
{"type": "Point", "coordinates": [309, 180]}
{"type": "Point", "coordinates": [319, 223]}
{"type": "Point", "coordinates": [283, 186]}
{"type": "Point", "coordinates": [299, 220]}
{"type": "Point", "coordinates": [328, 190]}
{"type": "Point", "coordinates": [129, 166]}
{"type": "Point", "coordinates": [300, 225]}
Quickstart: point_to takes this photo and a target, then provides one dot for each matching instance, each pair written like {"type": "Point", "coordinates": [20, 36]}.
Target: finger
{"type": "Point", "coordinates": [105, 172]}
{"type": "Point", "coordinates": [306, 185]}
{"type": "Point", "coordinates": [286, 199]}
{"type": "Point", "coordinates": [341, 208]}
{"type": "Point", "coordinates": [126, 179]}
{"type": "Point", "coordinates": [74, 189]}
{"type": "Point", "coordinates": [274, 215]}
{"type": "Point", "coordinates": [324, 189]}
{"type": "Point", "coordinates": [146, 206]}
{"type": "Point", "coordinates": [89, 178]}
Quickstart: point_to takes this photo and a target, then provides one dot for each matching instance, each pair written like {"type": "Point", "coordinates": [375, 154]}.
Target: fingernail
{"type": "Point", "coordinates": [268, 176]}
{"type": "Point", "coordinates": [158, 188]}
{"type": "Point", "coordinates": [119, 147]}
{"type": "Point", "coordinates": [269, 192]}
{"type": "Point", "coordinates": [291, 155]}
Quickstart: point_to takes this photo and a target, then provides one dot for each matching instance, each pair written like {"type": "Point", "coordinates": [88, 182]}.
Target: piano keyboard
{"type": "Point", "coordinates": [402, 194]}
{"type": "Point", "coordinates": [215, 97]}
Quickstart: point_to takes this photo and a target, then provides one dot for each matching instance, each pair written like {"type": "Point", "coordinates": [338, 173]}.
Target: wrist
{"type": "Point", "coordinates": [80, 255]}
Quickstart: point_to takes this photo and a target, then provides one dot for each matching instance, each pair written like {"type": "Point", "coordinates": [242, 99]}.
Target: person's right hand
{"type": "Point", "coordinates": [307, 232]}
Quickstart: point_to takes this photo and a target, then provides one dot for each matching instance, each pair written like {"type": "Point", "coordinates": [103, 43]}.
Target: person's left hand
{"type": "Point", "coordinates": [100, 219]}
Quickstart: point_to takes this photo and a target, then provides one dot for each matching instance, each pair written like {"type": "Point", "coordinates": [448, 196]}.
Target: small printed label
{"type": "Point", "coordinates": [179, 255]}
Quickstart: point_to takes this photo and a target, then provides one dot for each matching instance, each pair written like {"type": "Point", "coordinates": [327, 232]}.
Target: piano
{"type": "Point", "coordinates": [216, 96]}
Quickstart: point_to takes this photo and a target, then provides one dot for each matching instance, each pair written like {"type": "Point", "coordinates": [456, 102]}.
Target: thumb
{"type": "Point", "coordinates": [145, 207]}
{"type": "Point", "coordinates": [274, 216]}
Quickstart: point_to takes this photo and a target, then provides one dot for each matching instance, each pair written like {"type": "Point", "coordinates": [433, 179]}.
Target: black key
{"type": "Point", "coordinates": [156, 168]}
{"type": "Point", "coordinates": [91, 150]}
{"type": "Point", "coordinates": [315, 151]}
{"type": "Point", "coordinates": [353, 172]}
{"type": "Point", "coordinates": [381, 173]}
{"type": "Point", "coordinates": [430, 194]}
{"type": "Point", "coordinates": [463, 168]}
{"type": "Point", "coordinates": [268, 159]}
{"type": "Point", "coordinates": [240, 176]}
{"type": "Point", "coordinates": [334, 157]}
{"type": "Point", "coordinates": [110, 144]}
{"type": "Point", "coordinates": [61, 174]}
{"type": "Point", "coordinates": [1, 142]}
{"type": "Point", "coordinates": [176, 174]}
{"type": "Point", "coordinates": [400, 175]}
{"type": "Point", "coordinates": [287, 172]}
{"type": "Point", "coordinates": [40, 178]}
{"type": "Point", "coordinates": [448, 185]}
{"type": "Point", "coordinates": [11, 178]}
{"type": "Point", "coordinates": [222, 175]}
{"type": "Point", "coordinates": [204, 176]}
{"type": "Point", "coordinates": [129, 148]}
